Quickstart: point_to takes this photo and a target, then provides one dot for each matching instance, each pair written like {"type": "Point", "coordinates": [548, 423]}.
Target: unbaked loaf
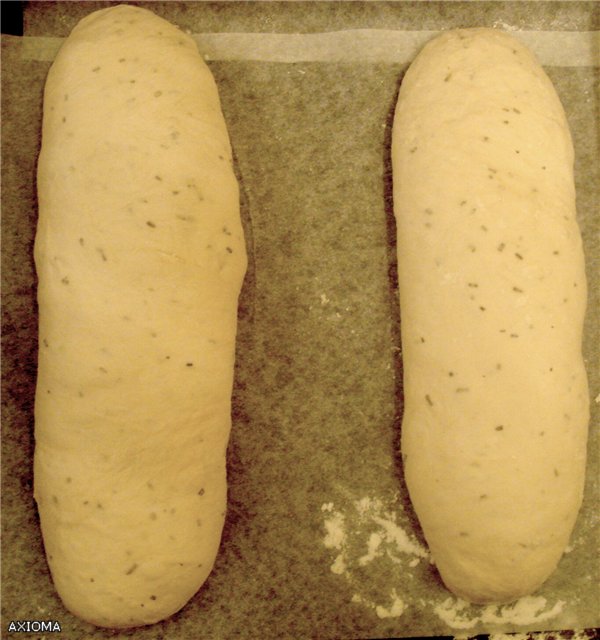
{"type": "Point", "coordinates": [140, 258]}
{"type": "Point", "coordinates": [492, 298]}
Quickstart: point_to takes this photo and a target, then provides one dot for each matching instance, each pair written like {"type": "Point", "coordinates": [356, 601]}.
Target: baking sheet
{"type": "Point", "coordinates": [320, 539]}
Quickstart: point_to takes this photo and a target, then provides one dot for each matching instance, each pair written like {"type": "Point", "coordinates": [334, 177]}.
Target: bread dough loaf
{"type": "Point", "coordinates": [140, 258]}
{"type": "Point", "coordinates": [492, 296]}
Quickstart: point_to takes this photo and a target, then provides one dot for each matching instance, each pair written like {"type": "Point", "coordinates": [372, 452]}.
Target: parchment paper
{"type": "Point", "coordinates": [320, 539]}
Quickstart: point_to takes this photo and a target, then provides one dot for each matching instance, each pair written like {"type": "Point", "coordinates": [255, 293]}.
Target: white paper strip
{"type": "Point", "coordinates": [552, 48]}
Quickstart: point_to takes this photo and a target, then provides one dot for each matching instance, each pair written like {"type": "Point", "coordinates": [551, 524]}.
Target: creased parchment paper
{"type": "Point", "coordinates": [320, 539]}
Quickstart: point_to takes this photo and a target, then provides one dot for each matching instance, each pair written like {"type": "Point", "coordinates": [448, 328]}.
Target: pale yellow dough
{"type": "Point", "coordinates": [140, 258]}
{"type": "Point", "coordinates": [492, 296]}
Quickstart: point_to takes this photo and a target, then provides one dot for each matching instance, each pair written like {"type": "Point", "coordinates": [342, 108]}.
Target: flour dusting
{"type": "Point", "coordinates": [394, 610]}
{"type": "Point", "coordinates": [376, 554]}
{"type": "Point", "coordinates": [335, 537]}
{"type": "Point", "coordinates": [373, 549]}
{"type": "Point", "coordinates": [367, 540]}
{"type": "Point", "coordinates": [399, 539]}
{"type": "Point", "coordinates": [525, 611]}
{"type": "Point", "coordinates": [578, 634]}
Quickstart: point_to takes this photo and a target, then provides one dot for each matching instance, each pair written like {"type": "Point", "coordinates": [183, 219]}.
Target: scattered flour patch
{"type": "Point", "coordinates": [335, 538]}
{"type": "Point", "coordinates": [397, 608]}
{"type": "Point", "coordinates": [396, 535]}
{"type": "Point", "coordinates": [367, 505]}
{"type": "Point", "coordinates": [373, 550]}
{"type": "Point", "coordinates": [544, 635]}
{"type": "Point", "coordinates": [500, 24]}
{"type": "Point", "coordinates": [450, 612]}
{"type": "Point", "coordinates": [339, 565]}
{"type": "Point", "coordinates": [384, 567]}
{"type": "Point", "coordinates": [370, 543]}
{"type": "Point", "coordinates": [336, 535]}
{"type": "Point", "coordinates": [525, 611]}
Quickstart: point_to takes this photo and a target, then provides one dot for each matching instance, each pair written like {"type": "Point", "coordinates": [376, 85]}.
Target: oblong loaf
{"type": "Point", "coordinates": [140, 257]}
{"type": "Point", "coordinates": [492, 295]}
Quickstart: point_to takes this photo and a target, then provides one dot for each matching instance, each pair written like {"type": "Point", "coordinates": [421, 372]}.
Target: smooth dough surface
{"type": "Point", "coordinates": [492, 296]}
{"type": "Point", "coordinates": [140, 257]}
